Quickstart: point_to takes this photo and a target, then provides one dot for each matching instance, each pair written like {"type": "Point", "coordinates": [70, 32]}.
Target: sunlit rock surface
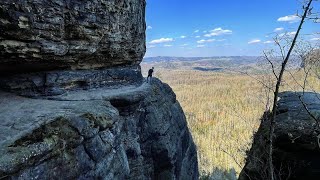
{"type": "Point", "coordinates": [132, 132]}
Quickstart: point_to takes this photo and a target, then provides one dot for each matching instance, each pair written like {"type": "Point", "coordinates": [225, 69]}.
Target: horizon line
{"type": "Point", "coordinates": [203, 56]}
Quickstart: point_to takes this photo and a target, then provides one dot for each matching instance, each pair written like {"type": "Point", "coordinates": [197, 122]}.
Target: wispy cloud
{"type": "Point", "coordinates": [197, 36]}
{"type": "Point", "coordinates": [254, 41]}
{"type": "Point", "coordinates": [182, 37]}
{"type": "Point", "coordinates": [205, 41]}
{"type": "Point", "coordinates": [200, 46]}
{"type": "Point", "coordinates": [268, 42]}
{"type": "Point", "coordinates": [218, 32]}
{"type": "Point", "coordinates": [315, 39]}
{"type": "Point", "coordinates": [149, 27]}
{"type": "Point", "coordinates": [161, 40]}
{"type": "Point", "coordinates": [151, 46]}
{"type": "Point", "coordinates": [167, 45]}
{"type": "Point", "coordinates": [289, 18]}
{"type": "Point", "coordinates": [288, 34]}
{"type": "Point", "coordinates": [196, 31]}
{"type": "Point", "coordinates": [278, 29]}
{"type": "Point", "coordinates": [292, 33]}
{"type": "Point", "coordinates": [184, 45]}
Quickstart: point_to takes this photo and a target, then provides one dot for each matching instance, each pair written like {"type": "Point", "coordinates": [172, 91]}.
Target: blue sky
{"type": "Point", "coordinates": [220, 27]}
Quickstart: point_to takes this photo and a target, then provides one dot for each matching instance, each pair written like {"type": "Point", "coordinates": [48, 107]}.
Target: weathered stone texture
{"type": "Point", "coordinates": [49, 83]}
{"type": "Point", "coordinates": [40, 35]}
{"type": "Point", "coordinates": [127, 133]}
{"type": "Point", "coordinates": [296, 144]}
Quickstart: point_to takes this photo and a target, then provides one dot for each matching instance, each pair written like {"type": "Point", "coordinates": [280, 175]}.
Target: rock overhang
{"type": "Point", "coordinates": [49, 35]}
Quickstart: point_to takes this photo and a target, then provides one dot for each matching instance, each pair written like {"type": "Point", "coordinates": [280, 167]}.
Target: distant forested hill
{"type": "Point", "coordinates": [238, 63]}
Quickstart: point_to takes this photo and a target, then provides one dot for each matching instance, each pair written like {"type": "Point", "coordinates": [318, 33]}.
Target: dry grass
{"type": "Point", "coordinates": [223, 111]}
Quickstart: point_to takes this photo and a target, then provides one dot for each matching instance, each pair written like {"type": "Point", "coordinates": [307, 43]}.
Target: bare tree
{"type": "Point", "coordinates": [279, 77]}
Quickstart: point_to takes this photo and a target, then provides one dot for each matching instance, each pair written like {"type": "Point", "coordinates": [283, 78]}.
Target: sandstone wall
{"type": "Point", "coordinates": [38, 35]}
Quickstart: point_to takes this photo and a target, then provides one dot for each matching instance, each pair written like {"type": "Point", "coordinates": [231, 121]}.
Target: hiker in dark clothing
{"type": "Point", "coordinates": [150, 74]}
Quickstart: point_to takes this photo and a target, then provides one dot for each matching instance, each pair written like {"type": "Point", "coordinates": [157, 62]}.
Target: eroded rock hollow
{"type": "Point", "coordinates": [73, 102]}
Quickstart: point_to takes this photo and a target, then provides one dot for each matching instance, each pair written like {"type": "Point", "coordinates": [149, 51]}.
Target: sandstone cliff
{"type": "Point", "coordinates": [73, 102]}
{"type": "Point", "coordinates": [296, 141]}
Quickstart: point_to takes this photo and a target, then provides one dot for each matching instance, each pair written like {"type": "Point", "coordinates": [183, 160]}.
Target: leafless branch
{"type": "Point", "coordinates": [272, 66]}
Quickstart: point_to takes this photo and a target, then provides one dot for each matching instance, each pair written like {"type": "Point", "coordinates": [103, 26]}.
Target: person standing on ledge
{"type": "Point", "coordinates": [150, 74]}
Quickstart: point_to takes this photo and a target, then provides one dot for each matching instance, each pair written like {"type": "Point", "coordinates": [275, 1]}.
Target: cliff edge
{"type": "Point", "coordinates": [296, 141]}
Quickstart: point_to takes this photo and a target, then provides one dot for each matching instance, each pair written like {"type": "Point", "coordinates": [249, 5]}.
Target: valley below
{"type": "Point", "coordinates": [224, 99]}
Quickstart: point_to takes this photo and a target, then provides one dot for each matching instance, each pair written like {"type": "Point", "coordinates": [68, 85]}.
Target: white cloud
{"type": "Point", "coordinates": [268, 42]}
{"type": "Point", "coordinates": [196, 31]}
{"type": "Point", "coordinates": [220, 40]}
{"type": "Point", "coordinates": [288, 34]}
{"type": "Point", "coordinates": [200, 46]}
{"type": "Point", "coordinates": [184, 45]}
{"type": "Point", "coordinates": [161, 40]}
{"type": "Point", "coordinates": [218, 31]}
{"type": "Point", "coordinates": [205, 41]}
{"type": "Point", "coordinates": [167, 45]}
{"type": "Point", "coordinates": [278, 29]}
{"type": "Point", "coordinates": [197, 37]}
{"type": "Point", "coordinates": [254, 41]}
{"type": "Point", "coordinates": [315, 39]}
{"type": "Point", "coordinates": [289, 18]}
{"type": "Point", "coordinates": [205, 31]}
{"type": "Point", "coordinates": [149, 27]}
{"type": "Point", "coordinates": [182, 37]}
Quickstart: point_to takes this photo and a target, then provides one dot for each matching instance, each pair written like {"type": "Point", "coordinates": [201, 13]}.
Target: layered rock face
{"type": "Point", "coordinates": [296, 141]}
{"type": "Point", "coordinates": [73, 102]}
{"type": "Point", "coordinates": [51, 39]}
{"type": "Point", "coordinates": [49, 83]}
{"type": "Point", "coordinates": [41, 35]}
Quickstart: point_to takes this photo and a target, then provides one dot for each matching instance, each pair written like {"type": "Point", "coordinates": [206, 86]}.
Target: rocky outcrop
{"type": "Point", "coordinates": [73, 102]}
{"type": "Point", "coordinates": [37, 35]}
{"type": "Point", "coordinates": [127, 133]}
{"type": "Point", "coordinates": [296, 141]}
